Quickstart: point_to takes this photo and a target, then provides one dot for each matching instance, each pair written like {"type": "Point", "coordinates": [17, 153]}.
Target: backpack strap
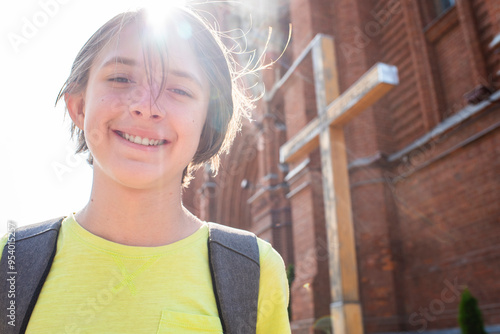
{"type": "Point", "coordinates": [235, 270]}
{"type": "Point", "coordinates": [34, 251]}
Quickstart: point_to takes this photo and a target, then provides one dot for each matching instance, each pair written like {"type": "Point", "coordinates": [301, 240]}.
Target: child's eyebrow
{"type": "Point", "coordinates": [120, 60]}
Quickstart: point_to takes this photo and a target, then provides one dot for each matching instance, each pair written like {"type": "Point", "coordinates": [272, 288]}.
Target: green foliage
{"type": "Point", "coordinates": [469, 316]}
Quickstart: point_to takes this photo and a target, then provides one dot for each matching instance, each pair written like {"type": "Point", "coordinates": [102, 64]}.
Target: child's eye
{"type": "Point", "coordinates": [180, 92]}
{"type": "Point", "coordinates": [120, 80]}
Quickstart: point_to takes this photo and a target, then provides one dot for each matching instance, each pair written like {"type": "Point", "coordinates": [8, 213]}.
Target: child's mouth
{"type": "Point", "coordinates": [140, 140]}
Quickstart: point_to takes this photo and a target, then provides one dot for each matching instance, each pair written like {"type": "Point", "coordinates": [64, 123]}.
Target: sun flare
{"type": "Point", "coordinates": [158, 12]}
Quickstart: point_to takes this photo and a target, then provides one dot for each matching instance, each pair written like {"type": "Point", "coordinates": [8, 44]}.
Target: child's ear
{"type": "Point", "coordinates": [76, 108]}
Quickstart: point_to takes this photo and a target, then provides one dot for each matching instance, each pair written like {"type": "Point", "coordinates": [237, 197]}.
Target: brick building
{"type": "Point", "coordinates": [423, 161]}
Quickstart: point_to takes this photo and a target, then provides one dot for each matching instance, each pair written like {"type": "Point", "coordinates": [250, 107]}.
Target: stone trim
{"type": "Point", "coordinates": [495, 43]}
{"type": "Point", "coordinates": [447, 124]}
{"type": "Point", "coordinates": [289, 178]}
{"type": "Point", "coordinates": [295, 191]}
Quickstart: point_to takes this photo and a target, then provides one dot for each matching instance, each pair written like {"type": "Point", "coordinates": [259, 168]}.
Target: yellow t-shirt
{"type": "Point", "coordinates": [98, 286]}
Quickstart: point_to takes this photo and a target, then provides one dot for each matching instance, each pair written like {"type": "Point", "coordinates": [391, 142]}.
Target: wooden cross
{"type": "Point", "coordinates": [326, 131]}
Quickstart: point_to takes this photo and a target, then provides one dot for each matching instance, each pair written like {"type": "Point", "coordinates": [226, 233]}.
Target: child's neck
{"type": "Point", "coordinates": [136, 217]}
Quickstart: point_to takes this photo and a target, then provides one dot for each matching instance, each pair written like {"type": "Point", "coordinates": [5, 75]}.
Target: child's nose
{"type": "Point", "coordinates": [144, 103]}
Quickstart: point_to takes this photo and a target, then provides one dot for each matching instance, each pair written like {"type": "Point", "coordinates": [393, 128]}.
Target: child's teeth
{"type": "Point", "coordinates": [142, 141]}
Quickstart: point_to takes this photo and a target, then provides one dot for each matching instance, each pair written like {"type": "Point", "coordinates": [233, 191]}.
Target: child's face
{"type": "Point", "coordinates": [120, 101]}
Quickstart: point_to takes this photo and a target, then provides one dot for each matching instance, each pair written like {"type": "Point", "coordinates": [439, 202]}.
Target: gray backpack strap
{"type": "Point", "coordinates": [34, 251]}
{"type": "Point", "coordinates": [235, 269]}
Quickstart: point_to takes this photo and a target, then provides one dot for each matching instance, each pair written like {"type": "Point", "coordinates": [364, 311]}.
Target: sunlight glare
{"type": "Point", "coordinates": [159, 11]}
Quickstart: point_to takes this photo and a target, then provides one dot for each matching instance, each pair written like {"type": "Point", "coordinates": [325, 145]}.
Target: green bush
{"type": "Point", "coordinates": [469, 316]}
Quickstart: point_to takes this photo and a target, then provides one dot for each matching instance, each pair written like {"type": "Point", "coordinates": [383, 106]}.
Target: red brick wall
{"type": "Point", "coordinates": [402, 105]}
{"type": "Point", "coordinates": [310, 290]}
{"type": "Point", "coordinates": [448, 214]}
{"type": "Point", "coordinates": [377, 236]}
{"type": "Point", "coordinates": [488, 26]}
{"type": "Point", "coordinates": [418, 236]}
{"type": "Point", "coordinates": [452, 69]}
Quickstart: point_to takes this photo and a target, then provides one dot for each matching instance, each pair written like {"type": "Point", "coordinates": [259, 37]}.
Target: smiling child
{"type": "Point", "coordinates": [149, 106]}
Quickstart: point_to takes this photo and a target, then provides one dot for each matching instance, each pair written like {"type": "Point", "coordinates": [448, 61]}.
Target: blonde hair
{"type": "Point", "coordinates": [228, 100]}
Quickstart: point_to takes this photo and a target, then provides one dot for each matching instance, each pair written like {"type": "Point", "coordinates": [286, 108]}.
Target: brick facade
{"type": "Point", "coordinates": [424, 162]}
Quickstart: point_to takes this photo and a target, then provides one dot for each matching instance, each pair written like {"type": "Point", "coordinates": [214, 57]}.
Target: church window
{"type": "Point", "coordinates": [434, 10]}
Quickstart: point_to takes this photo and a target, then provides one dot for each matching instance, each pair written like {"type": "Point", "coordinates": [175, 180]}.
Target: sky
{"type": "Point", "coordinates": [40, 176]}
